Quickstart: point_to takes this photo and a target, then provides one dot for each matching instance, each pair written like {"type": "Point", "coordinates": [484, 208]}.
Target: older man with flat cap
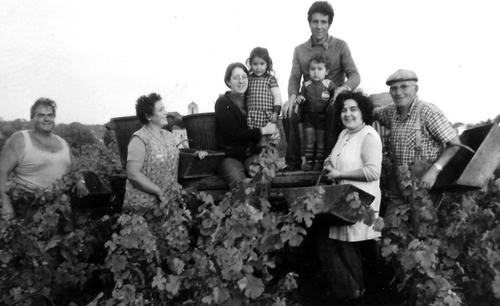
{"type": "Point", "coordinates": [419, 131]}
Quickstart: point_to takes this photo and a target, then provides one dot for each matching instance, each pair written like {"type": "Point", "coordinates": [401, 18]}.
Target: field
{"type": "Point", "coordinates": [190, 250]}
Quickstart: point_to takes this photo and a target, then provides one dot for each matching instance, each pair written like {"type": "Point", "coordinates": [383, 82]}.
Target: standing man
{"type": "Point", "coordinates": [342, 71]}
{"type": "Point", "coordinates": [419, 131]}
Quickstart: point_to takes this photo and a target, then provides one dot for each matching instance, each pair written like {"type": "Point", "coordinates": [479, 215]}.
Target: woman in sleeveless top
{"type": "Point", "coordinates": [347, 254]}
{"type": "Point", "coordinates": [152, 158]}
{"type": "Point", "coordinates": [37, 158]}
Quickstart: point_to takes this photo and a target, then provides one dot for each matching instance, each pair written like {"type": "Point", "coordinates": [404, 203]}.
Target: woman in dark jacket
{"type": "Point", "coordinates": [232, 133]}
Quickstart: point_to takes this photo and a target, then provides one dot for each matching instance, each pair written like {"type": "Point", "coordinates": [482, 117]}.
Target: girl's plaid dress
{"type": "Point", "coordinates": [260, 101]}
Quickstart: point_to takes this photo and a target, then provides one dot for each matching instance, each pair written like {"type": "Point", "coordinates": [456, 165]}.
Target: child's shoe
{"type": "Point", "coordinates": [307, 166]}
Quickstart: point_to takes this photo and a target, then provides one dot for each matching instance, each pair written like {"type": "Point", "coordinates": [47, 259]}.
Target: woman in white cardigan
{"type": "Point", "coordinates": [347, 254]}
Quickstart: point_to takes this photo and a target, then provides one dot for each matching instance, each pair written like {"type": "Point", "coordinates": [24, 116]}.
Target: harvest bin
{"type": "Point", "coordinates": [200, 130]}
{"type": "Point", "coordinates": [336, 210]}
{"type": "Point", "coordinates": [467, 170]}
{"type": "Point", "coordinates": [124, 127]}
{"type": "Point", "coordinates": [98, 197]}
{"type": "Point", "coordinates": [190, 166]}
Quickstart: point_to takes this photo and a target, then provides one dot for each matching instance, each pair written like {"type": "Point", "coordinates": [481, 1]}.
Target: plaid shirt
{"type": "Point", "coordinates": [436, 131]}
{"type": "Point", "coordinates": [260, 100]}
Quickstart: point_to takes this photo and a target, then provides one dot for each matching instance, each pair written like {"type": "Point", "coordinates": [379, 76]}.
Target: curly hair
{"type": "Point", "coordinates": [229, 71]}
{"type": "Point", "coordinates": [322, 7]}
{"type": "Point", "coordinates": [145, 106]}
{"type": "Point", "coordinates": [42, 102]}
{"type": "Point", "coordinates": [364, 105]}
{"type": "Point", "coordinates": [263, 54]}
{"type": "Point", "coordinates": [318, 58]}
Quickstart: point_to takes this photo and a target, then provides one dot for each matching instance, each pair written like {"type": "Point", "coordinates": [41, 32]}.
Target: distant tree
{"type": "Point", "coordinates": [174, 118]}
{"type": "Point", "coordinates": [76, 134]}
{"type": "Point", "coordinates": [8, 128]}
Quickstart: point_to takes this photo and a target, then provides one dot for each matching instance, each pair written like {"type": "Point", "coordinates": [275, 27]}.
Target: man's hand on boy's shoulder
{"type": "Point", "coordinates": [339, 90]}
{"type": "Point", "coordinates": [300, 99]}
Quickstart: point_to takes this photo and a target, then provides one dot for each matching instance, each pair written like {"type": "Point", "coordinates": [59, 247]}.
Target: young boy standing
{"type": "Point", "coordinates": [313, 100]}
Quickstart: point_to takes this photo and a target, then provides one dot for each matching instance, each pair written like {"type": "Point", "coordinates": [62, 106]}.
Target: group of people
{"type": "Point", "coordinates": [327, 125]}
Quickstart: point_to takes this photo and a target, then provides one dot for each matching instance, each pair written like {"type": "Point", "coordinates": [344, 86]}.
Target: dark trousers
{"type": "Point", "coordinates": [334, 272]}
{"type": "Point", "coordinates": [233, 171]}
{"type": "Point", "coordinates": [292, 134]}
{"type": "Point", "coordinates": [314, 143]}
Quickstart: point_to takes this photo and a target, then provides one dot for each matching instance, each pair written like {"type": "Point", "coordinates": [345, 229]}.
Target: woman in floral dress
{"type": "Point", "coordinates": [152, 159]}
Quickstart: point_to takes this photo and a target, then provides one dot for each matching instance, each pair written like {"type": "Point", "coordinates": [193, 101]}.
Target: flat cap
{"type": "Point", "coordinates": [401, 75]}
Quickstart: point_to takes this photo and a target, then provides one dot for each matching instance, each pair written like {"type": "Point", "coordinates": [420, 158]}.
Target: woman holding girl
{"type": "Point", "coordinates": [233, 135]}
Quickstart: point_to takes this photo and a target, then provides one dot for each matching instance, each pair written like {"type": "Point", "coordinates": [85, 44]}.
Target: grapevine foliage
{"type": "Point", "coordinates": [447, 251]}
{"type": "Point", "coordinates": [192, 250]}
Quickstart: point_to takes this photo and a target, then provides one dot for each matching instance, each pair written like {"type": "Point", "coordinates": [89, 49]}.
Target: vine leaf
{"type": "Point", "coordinates": [252, 286]}
{"type": "Point", "coordinates": [496, 286]}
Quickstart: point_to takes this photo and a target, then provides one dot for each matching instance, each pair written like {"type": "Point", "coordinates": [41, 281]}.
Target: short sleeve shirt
{"type": "Point", "coordinates": [436, 131]}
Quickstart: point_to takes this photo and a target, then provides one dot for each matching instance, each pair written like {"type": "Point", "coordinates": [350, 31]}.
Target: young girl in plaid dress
{"type": "Point", "coordinates": [263, 94]}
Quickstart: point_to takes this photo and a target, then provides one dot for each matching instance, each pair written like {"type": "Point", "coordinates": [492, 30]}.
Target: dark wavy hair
{"type": "Point", "coordinates": [322, 7]}
{"type": "Point", "coordinates": [42, 102]}
{"type": "Point", "coordinates": [229, 71]}
{"type": "Point", "coordinates": [318, 58]}
{"type": "Point", "coordinates": [263, 54]}
{"type": "Point", "coordinates": [145, 106]}
{"type": "Point", "coordinates": [364, 104]}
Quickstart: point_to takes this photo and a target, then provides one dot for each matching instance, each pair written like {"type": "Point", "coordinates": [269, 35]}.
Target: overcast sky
{"type": "Point", "coordinates": [95, 58]}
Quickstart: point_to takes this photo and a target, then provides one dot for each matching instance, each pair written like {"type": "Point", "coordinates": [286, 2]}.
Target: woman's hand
{"type": "Point", "coordinates": [269, 129]}
{"type": "Point", "coordinates": [332, 173]}
{"type": "Point", "coordinates": [81, 189]}
{"type": "Point", "coordinates": [159, 196]}
{"type": "Point", "coordinates": [202, 154]}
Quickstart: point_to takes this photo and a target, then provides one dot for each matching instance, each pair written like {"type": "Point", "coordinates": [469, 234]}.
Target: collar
{"type": "Point", "coordinates": [325, 45]}
{"type": "Point", "coordinates": [359, 128]}
{"type": "Point", "coordinates": [410, 111]}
